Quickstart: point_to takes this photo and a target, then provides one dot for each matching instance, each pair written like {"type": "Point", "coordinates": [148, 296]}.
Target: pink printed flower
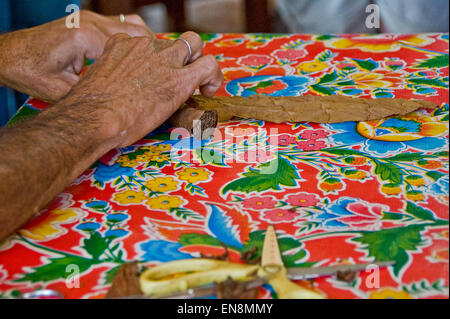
{"type": "Point", "coordinates": [311, 145]}
{"type": "Point", "coordinates": [292, 54]}
{"type": "Point", "coordinates": [394, 64]}
{"type": "Point", "coordinates": [362, 215]}
{"type": "Point", "coordinates": [302, 199]}
{"type": "Point", "coordinates": [280, 215]}
{"type": "Point", "coordinates": [313, 134]}
{"type": "Point", "coordinates": [429, 73]}
{"type": "Point", "coordinates": [345, 65]}
{"type": "Point", "coordinates": [255, 60]}
{"type": "Point", "coordinates": [259, 156]}
{"type": "Point", "coordinates": [274, 86]}
{"type": "Point", "coordinates": [286, 139]}
{"type": "Point", "coordinates": [259, 203]}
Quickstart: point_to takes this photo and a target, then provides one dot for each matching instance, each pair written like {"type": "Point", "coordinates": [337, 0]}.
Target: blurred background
{"type": "Point", "coordinates": [234, 16]}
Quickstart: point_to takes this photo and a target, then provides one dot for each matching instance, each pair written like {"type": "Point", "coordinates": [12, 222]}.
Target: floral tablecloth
{"type": "Point", "coordinates": [339, 194]}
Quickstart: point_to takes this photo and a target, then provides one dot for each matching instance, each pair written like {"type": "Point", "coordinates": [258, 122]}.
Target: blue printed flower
{"type": "Point", "coordinates": [441, 186]}
{"type": "Point", "coordinates": [294, 85]}
{"type": "Point", "coordinates": [163, 251]}
{"type": "Point", "coordinates": [116, 232]}
{"type": "Point", "coordinates": [116, 217]}
{"type": "Point", "coordinates": [351, 213]}
{"type": "Point", "coordinates": [128, 149]}
{"type": "Point", "coordinates": [88, 226]}
{"type": "Point", "coordinates": [105, 173]}
{"type": "Point", "coordinates": [97, 205]}
{"type": "Point", "coordinates": [350, 136]}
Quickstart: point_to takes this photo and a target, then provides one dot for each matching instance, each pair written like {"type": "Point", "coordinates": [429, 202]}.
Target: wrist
{"type": "Point", "coordinates": [4, 58]}
{"type": "Point", "coordinates": [10, 52]}
{"type": "Point", "coordinates": [93, 117]}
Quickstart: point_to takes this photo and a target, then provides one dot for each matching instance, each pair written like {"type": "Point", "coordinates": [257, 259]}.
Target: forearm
{"type": "Point", "coordinates": [4, 58]}
{"type": "Point", "coordinates": [41, 156]}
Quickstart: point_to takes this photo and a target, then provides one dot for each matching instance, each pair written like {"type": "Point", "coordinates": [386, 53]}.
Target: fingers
{"type": "Point", "coordinates": [133, 25]}
{"type": "Point", "coordinates": [134, 19]}
{"type": "Point", "coordinates": [205, 72]}
{"type": "Point", "coordinates": [179, 50]}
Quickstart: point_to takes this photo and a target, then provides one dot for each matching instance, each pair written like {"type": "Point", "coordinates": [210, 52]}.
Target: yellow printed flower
{"type": "Point", "coordinates": [378, 42]}
{"type": "Point", "coordinates": [389, 293]}
{"type": "Point", "coordinates": [163, 147]}
{"type": "Point", "coordinates": [48, 225]}
{"type": "Point", "coordinates": [159, 158]}
{"type": "Point", "coordinates": [415, 180]}
{"type": "Point", "coordinates": [428, 164]}
{"type": "Point", "coordinates": [391, 189]}
{"type": "Point", "coordinates": [369, 80]}
{"type": "Point", "coordinates": [150, 148]}
{"type": "Point", "coordinates": [415, 196]}
{"type": "Point", "coordinates": [165, 202]}
{"type": "Point", "coordinates": [354, 174]}
{"type": "Point", "coordinates": [129, 197]}
{"type": "Point", "coordinates": [193, 175]}
{"type": "Point", "coordinates": [123, 159]}
{"type": "Point", "coordinates": [152, 153]}
{"type": "Point", "coordinates": [162, 184]}
{"type": "Point", "coordinates": [311, 66]}
{"type": "Point", "coordinates": [331, 185]}
{"type": "Point", "coordinates": [358, 160]}
{"type": "Point", "coordinates": [143, 158]}
{"type": "Point", "coordinates": [129, 163]}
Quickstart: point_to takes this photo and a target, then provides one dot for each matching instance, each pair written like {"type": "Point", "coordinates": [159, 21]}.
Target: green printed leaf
{"type": "Point", "coordinates": [392, 244]}
{"type": "Point", "coordinates": [408, 157]}
{"type": "Point", "coordinates": [367, 65]}
{"type": "Point", "coordinates": [108, 276]}
{"type": "Point", "coordinates": [419, 212]}
{"type": "Point", "coordinates": [95, 245]}
{"type": "Point", "coordinates": [185, 214]}
{"type": "Point", "coordinates": [24, 113]}
{"type": "Point", "coordinates": [322, 89]}
{"type": "Point", "coordinates": [56, 269]}
{"type": "Point", "coordinates": [325, 37]}
{"type": "Point", "coordinates": [388, 172]}
{"type": "Point", "coordinates": [392, 216]}
{"type": "Point", "coordinates": [439, 61]}
{"type": "Point", "coordinates": [198, 239]}
{"type": "Point", "coordinates": [434, 175]}
{"type": "Point", "coordinates": [286, 244]}
{"type": "Point", "coordinates": [256, 181]}
{"type": "Point", "coordinates": [342, 151]}
{"type": "Point", "coordinates": [428, 82]}
{"type": "Point", "coordinates": [329, 77]}
{"type": "Point", "coordinates": [210, 156]}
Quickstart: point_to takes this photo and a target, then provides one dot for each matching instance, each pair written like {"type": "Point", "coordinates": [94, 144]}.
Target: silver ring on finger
{"type": "Point", "coordinates": [189, 49]}
{"type": "Point", "coordinates": [122, 18]}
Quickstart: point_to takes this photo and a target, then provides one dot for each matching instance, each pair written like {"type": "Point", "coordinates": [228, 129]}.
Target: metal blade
{"type": "Point", "coordinates": [309, 273]}
{"type": "Point", "coordinates": [199, 292]}
{"type": "Point", "coordinates": [271, 255]}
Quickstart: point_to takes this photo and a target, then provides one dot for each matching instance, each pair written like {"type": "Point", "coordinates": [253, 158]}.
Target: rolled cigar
{"type": "Point", "coordinates": [306, 108]}
{"type": "Point", "coordinates": [125, 282]}
{"type": "Point", "coordinates": [196, 121]}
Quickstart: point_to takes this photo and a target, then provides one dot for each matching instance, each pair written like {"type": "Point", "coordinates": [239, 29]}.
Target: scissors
{"type": "Point", "coordinates": [188, 278]}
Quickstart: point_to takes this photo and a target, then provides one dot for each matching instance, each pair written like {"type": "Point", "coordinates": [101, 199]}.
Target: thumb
{"type": "Point", "coordinates": [205, 72]}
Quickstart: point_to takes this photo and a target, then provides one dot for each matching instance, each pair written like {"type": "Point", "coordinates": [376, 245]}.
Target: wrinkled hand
{"type": "Point", "coordinates": [45, 61]}
{"type": "Point", "coordinates": [133, 88]}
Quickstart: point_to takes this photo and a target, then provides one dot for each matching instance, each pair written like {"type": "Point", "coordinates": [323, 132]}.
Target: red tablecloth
{"type": "Point", "coordinates": [340, 193]}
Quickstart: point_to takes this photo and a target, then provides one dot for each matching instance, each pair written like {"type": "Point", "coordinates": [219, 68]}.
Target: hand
{"type": "Point", "coordinates": [45, 61]}
{"type": "Point", "coordinates": [133, 88]}
{"type": "Point", "coordinates": [130, 90]}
